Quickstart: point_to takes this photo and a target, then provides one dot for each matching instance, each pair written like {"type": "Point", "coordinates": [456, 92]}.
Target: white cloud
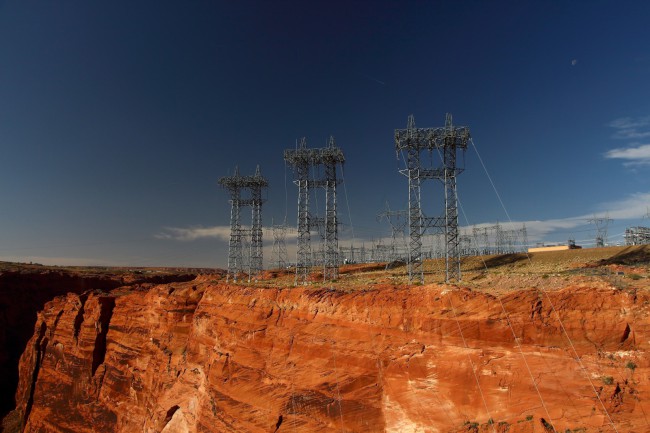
{"type": "Point", "coordinates": [194, 233]}
{"type": "Point", "coordinates": [630, 123]}
{"type": "Point", "coordinates": [221, 233]}
{"type": "Point", "coordinates": [631, 134]}
{"type": "Point", "coordinates": [628, 128]}
{"type": "Point", "coordinates": [631, 207]}
{"type": "Point", "coordinates": [639, 154]}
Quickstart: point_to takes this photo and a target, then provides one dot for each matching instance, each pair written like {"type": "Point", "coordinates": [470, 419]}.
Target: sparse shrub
{"type": "Point", "coordinates": [547, 425]}
{"type": "Point", "coordinates": [471, 427]}
{"type": "Point", "coordinates": [490, 421]}
{"type": "Point", "coordinates": [608, 380]}
{"type": "Point", "coordinates": [635, 276]}
{"type": "Point", "coordinates": [529, 418]}
{"type": "Point", "coordinates": [630, 365]}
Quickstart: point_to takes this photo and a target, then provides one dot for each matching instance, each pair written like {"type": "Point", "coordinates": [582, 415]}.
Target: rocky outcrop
{"type": "Point", "coordinates": [202, 356]}
{"type": "Point", "coordinates": [24, 292]}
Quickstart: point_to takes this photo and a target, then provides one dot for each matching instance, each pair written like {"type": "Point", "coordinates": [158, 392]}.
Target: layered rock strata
{"type": "Point", "coordinates": [203, 356]}
{"type": "Point", "coordinates": [24, 292]}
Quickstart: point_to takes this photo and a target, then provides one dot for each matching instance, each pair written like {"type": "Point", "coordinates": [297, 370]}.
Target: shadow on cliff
{"type": "Point", "coordinates": [24, 294]}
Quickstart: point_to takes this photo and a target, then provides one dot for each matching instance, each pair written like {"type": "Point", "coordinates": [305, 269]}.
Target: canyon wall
{"type": "Point", "coordinates": [24, 292]}
{"type": "Point", "coordinates": [203, 356]}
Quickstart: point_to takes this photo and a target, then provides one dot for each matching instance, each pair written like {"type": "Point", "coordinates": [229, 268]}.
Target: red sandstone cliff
{"type": "Point", "coordinates": [24, 290]}
{"type": "Point", "coordinates": [201, 356]}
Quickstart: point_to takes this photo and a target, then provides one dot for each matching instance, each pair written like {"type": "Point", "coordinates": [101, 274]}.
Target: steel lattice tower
{"type": "Point", "coordinates": [331, 156]}
{"type": "Point", "coordinates": [235, 257]}
{"type": "Point", "coordinates": [524, 235]}
{"type": "Point", "coordinates": [446, 141]}
{"type": "Point", "coordinates": [601, 229]}
{"type": "Point", "coordinates": [397, 220]}
{"type": "Point", "coordinates": [411, 140]}
{"type": "Point", "coordinates": [235, 184]}
{"type": "Point", "coordinates": [255, 183]}
{"type": "Point", "coordinates": [302, 159]}
{"type": "Point", "coordinates": [281, 258]}
{"type": "Point", "coordinates": [449, 149]}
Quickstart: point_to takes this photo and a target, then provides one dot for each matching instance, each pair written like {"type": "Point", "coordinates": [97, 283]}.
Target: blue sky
{"type": "Point", "coordinates": [117, 118]}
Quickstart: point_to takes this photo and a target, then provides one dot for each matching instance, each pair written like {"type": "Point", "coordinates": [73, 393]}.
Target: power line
{"type": "Point", "coordinates": [566, 334]}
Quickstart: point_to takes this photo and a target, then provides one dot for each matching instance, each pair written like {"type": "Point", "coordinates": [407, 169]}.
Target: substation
{"type": "Point", "coordinates": [426, 154]}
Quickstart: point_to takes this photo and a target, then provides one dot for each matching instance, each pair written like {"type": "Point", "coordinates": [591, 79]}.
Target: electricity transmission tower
{"type": "Point", "coordinates": [446, 141]}
{"type": "Point", "coordinates": [280, 256]}
{"type": "Point", "coordinates": [235, 184]}
{"type": "Point", "coordinates": [302, 159]}
{"type": "Point", "coordinates": [330, 157]}
{"type": "Point", "coordinates": [602, 225]}
{"type": "Point", "coordinates": [397, 220]}
{"type": "Point", "coordinates": [481, 239]}
{"type": "Point", "coordinates": [524, 235]}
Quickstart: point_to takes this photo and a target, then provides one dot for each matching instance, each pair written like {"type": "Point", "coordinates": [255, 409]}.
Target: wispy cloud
{"type": "Point", "coordinates": [638, 154]}
{"type": "Point", "coordinates": [634, 129]}
{"type": "Point", "coordinates": [629, 128]}
{"type": "Point", "coordinates": [221, 233]}
{"type": "Point", "coordinates": [194, 233]}
{"type": "Point", "coordinates": [631, 207]}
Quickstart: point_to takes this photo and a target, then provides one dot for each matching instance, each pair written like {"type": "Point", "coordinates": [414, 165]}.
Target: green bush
{"type": "Point", "coordinates": [608, 380]}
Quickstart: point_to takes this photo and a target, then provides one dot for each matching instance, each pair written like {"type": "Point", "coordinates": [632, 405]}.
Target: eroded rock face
{"type": "Point", "coordinates": [24, 292]}
{"type": "Point", "coordinates": [206, 357]}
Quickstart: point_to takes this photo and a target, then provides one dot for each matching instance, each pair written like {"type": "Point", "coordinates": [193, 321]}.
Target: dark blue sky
{"type": "Point", "coordinates": [117, 118]}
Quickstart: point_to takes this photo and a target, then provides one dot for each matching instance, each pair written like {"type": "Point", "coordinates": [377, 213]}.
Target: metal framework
{"type": "Point", "coordinates": [398, 220]}
{"type": "Point", "coordinates": [254, 184]}
{"type": "Point", "coordinates": [280, 255]}
{"type": "Point", "coordinates": [446, 141]}
{"type": "Point", "coordinates": [331, 156]}
{"type": "Point", "coordinates": [637, 235]}
{"type": "Point", "coordinates": [602, 224]}
{"type": "Point", "coordinates": [302, 159]}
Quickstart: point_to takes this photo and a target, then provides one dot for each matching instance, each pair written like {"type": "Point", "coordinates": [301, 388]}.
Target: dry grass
{"type": "Point", "coordinates": [623, 267]}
